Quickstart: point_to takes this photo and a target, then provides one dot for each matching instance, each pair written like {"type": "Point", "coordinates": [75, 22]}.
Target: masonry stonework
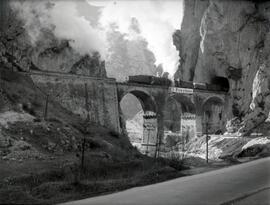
{"type": "Point", "coordinates": [85, 96]}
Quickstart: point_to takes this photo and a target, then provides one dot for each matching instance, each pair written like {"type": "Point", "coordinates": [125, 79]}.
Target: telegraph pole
{"type": "Point", "coordinates": [85, 125]}
{"type": "Point", "coordinates": [83, 150]}
{"type": "Point", "coordinates": [206, 142]}
{"type": "Point", "coordinates": [148, 132]}
{"type": "Point", "coordinates": [46, 107]}
{"type": "Point", "coordinates": [157, 146]}
{"type": "Point", "coordinates": [87, 102]}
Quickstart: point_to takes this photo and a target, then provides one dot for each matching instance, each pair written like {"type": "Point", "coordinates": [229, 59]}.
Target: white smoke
{"type": "Point", "coordinates": [35, 16]}
{"type": "Point", "coordinates": [157, 19]}
{"type": "Point", "coordinates": [63, 19]}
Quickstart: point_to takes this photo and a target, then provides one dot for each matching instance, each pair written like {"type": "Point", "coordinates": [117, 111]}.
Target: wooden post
{"type": "Point", "coordinates": [85, 126]}
{"type": "Point", "coordinates": [83, 150]}
{"type": "Point", "coordinates": [46, 107]}
{"type": "Point", "coordinates": [157, 147]}
{"type": "Point", "coordinates": [12, 50]}
{"type": "Point", "coordinates": [183, 142]}
{"type": "Point", "coordinates": [148, 132]}
{"type": "Point", "coordinates": [86, 102]}
{"type": "Point", "coordinates": [206, 142]}
{"type": "Point", "coordinates": [159, 134]}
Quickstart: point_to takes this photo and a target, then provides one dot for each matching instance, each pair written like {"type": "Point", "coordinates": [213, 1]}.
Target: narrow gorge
{"type": "Point", "coordinates": [228, 42]}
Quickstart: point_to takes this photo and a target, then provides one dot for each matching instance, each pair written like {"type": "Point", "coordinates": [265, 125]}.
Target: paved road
{"type": "Point", "coordinates": [215, 187]}
{"type": "Point", "coordinates": [259, 198]}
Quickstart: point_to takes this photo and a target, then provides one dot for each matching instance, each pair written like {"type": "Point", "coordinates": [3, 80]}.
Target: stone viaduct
{"type": "Point", "coordinates": [105, 95]}
{"type": "Point", "coordinates": [201, 103]}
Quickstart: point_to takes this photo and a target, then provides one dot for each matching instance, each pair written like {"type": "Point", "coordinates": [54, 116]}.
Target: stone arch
{"type": "Point", "coordinates": [213, 98]}
{"type": "Point", "coordinates": [213, 115]}
{"type": "Point", "coordinates": [147, 141]}
{"type": "Point", "coordinates": [147, 101]}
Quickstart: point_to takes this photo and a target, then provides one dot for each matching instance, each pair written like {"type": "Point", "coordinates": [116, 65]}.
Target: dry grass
{"type": "Point", "coordinates": [111, 163]}
{"type": "Point", "coordinates": [97, 177]}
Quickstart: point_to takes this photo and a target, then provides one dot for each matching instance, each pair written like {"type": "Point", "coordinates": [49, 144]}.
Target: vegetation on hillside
{"type": "Point", "coordinates": [41, 155]}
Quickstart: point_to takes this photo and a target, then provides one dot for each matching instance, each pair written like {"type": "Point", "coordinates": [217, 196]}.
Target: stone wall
{"type": "Point", "coordinates": [73, 91]}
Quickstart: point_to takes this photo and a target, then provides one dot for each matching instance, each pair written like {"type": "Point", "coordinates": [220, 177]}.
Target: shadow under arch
{"type": "Point", "coordinates": [172, 115]}
{"type": "Point", "coordinates": [147, 101]}
{"type": "Point", "coordinates": [187, 106]}
{"type": "Point", "coordinates": [213, 115]}
{"type": "Point", "coordinates": [180, 123]}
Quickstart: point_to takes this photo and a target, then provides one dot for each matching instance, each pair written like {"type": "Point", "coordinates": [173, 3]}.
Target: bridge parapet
{"type": "Point", "coordinates": [47, 74]}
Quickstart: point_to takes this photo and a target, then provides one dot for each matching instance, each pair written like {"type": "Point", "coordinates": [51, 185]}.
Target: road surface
{"type": "Point", "coordinates": [215, 187]}
{"type": "Point", "coordinates": [260, 198]}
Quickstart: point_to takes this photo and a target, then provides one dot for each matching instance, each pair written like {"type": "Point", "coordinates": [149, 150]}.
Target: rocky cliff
{"type": "Point", "coordinates": [48, 53]}
{"type": "Point", "coordinates": [227, 42]}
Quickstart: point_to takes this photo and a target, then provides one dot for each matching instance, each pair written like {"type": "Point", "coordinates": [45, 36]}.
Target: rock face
{"type": "Point", "coordinates": [48, 53]}
{"type": "Point", "coordinates": [90, 65]}
{"type": "Point", "coordinates": [227, 42]}
{"type": "Point", "coordinates": [260, 105]}
{"type": "Point", "coordinates": [189, 38]}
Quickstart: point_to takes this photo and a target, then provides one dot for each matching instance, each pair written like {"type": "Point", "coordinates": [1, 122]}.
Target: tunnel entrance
{"type": "Point", "coordinates": [221, 82]}
{"type": "Point", "coordinates": [139, 121]}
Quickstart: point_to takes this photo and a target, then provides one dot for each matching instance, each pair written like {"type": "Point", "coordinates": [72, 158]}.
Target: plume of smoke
{"type": "Point", "coordinates": [157, 19]}
{"type": "Point", "coordinates": [63, 19]}
{"type": "Point", "coordinates": [35, 16]}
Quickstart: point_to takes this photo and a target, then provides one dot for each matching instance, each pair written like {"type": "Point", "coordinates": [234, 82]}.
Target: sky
{"type": "Point", "coordinates": [87, 22]}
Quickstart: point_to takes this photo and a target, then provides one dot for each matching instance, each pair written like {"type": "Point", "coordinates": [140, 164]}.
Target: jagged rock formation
{"type": "Point", "coordinates": [223, 41]}
{"type": "Point", "coordinates": [260, 105]}
{"type": "Point", "coordinates": [48, 53]}
{"type": "Point", "coordinates": [90, 66]}
{"type": "Point", "coordinates": [189, 38]}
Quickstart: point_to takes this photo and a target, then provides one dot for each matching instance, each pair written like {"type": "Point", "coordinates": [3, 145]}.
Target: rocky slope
{"type": "Point", "coordinates": [134, 128]}
{"type": "Point", "coordinates": [228, 42]}
{"type": "Point", "coordinates": [228, 147]}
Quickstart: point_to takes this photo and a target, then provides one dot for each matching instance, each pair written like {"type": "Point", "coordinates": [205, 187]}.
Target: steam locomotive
{"type": "Point", "coordinates": [149, 80]}
{"type": "Point", "coordinates": [152, 80]}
